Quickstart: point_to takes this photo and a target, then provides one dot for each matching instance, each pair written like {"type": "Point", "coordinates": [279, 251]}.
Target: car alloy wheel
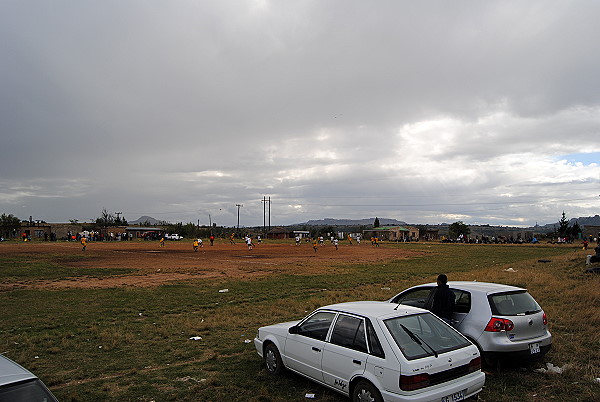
{"type": "Point", "coordinates": [366, 392]}
{"type": "Point", "coordinates": [273, 360]}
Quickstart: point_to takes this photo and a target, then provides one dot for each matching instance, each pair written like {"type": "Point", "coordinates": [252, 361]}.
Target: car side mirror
{"type": "Point", "coordinates": [293, 330]}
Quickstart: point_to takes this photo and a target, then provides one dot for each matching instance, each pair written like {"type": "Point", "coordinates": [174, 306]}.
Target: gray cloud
{"type": "Point", "coordinates": [422, 111]}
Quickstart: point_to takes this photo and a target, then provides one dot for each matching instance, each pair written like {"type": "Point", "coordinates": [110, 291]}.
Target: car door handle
{"type": "Point", "coordinates": [316, 349]}
{"type": "Point", "coordinates": [357, 362]}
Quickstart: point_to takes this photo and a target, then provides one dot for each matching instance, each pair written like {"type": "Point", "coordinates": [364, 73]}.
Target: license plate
{"type": "Point", "coordinates": [534, 348]}
{"type": "Point", "coordinates": [457, 396]}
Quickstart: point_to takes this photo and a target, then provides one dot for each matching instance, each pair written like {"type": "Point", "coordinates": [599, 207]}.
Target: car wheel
{"type": "Point", "coordinates": [364, 391]}
{"type": "Point", "coordinates": [273, 360]}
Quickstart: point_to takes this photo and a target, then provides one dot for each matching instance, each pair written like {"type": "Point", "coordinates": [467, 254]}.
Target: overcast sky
{"type": "Point", "coordinates": [424, 111]}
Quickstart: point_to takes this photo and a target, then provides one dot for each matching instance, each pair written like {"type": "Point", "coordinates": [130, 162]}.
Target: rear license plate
{"type": "Point", "coordinates": [534, 348]}
{"type": "Point", "coordinates": [457, 396]}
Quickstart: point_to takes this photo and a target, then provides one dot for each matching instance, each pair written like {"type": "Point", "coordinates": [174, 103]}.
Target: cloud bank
{"type": "Point", "coordinates": [428, 112]}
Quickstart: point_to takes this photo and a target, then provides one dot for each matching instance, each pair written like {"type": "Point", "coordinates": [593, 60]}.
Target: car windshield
{"type": "Point", "coordinates": [26, 391]}
{"type": "Point", "coordinates": [424, 335]}
{"type": "Point", "coordinates": [514, 303]}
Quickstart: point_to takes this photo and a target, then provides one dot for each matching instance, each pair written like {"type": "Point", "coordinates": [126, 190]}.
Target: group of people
{"type": "Point", "coordinates": [320, 241]}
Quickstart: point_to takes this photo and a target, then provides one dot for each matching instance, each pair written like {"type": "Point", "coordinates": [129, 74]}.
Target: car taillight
{"type": "Point", "coordinates": [545, 319]}
{"type": "Point", "coordinates": [475, 364]}
{"type": "Point", "coordinates": [413, 382]}
{"type": "Point", "coordinates": [499, 324]}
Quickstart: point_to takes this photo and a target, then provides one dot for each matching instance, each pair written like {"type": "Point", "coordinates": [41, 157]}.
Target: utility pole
{"type": "Point", "coordinates": [265, 201]}
{"type": "Point", "coordinates": [238, 207]}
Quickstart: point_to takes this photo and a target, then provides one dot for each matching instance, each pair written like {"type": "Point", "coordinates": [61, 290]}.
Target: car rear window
{"type": "Point", "coordinates": [25, 391]}
{"type": "Point", "coordinates": [424, 335]}
{"type": "Point", "coordinates": [513, 303]}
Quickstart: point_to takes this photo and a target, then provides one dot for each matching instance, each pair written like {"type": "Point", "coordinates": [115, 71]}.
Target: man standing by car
{"type": "Point", "coordinates": [443, 300]}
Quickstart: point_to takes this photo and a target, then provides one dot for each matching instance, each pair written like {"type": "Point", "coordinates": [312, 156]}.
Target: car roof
{"type": "Point", "coordinates": [11, 372]}
{"type": "Point", "coordinates": [486, 287]}
{"type": "Point", "coordinates": [375, 309]}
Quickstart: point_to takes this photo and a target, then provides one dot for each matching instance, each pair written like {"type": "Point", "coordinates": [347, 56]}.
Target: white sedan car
{"type": "Point", "coordinates": [375, 351]}
{"type": "Point", "coordinates": [505, 322]}
{"type": "Point", "coordinates": [19, 384]}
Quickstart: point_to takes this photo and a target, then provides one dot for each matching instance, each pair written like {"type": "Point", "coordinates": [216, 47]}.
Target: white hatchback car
{"type": "Point", "coordinates": [20, 385]}
{"type": "Point", "coordinates": [505, 322]}
{"type": "Point", "coordinates": [375, 351]}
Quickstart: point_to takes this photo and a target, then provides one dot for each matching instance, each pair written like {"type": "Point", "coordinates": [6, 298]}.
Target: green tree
{"type": "Point", "coordinates": [376, 223]}
{"type": "Point", "coordinates": [459, 228]}
{"type": "Point", "coordinates": [563, 226]}
{"type": "Point", "coordinates": [575, 230]}
{"type": "Point", "coordinates": [9, 225]}
{"type": "Point", "coordinates": [105, 220]}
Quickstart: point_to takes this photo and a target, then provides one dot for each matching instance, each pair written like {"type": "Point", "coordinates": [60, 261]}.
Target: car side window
{"type": "Point", "coordinates": [349, 332]}
{"type": "Point", "coordinates": [374, 345]}
{"type": "Point", "coordinates": [415, 297]}
{"type": "Point", "coordinates": [462, 301]}
{"type": "Point", "coordinates": [317, 326]}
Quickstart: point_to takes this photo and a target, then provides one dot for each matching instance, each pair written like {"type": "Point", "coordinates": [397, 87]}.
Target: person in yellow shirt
{"type": "Point", "coordinates": [162, 241]}
{"type": "Point", "coordinates": [195, 245]}
{"type": "Point", "coordinates": [83, 243]}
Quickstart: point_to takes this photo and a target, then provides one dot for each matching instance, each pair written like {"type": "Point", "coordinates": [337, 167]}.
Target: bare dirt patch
{"type": "Point", "coordinates": [154, 265]}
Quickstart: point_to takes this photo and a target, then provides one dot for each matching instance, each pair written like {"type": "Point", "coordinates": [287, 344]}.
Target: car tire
{"type": "Point", "coordinates": [364, 391]}
{"type": "Point", "coordinates": [273, 361]}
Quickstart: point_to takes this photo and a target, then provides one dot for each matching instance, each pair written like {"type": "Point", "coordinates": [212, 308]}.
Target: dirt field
{"type": "Point", "coordinates": [154, 265]}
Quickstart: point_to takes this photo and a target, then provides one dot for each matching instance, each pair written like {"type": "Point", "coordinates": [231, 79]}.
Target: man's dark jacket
{"type": "Point", "coordinates": [443, 302]}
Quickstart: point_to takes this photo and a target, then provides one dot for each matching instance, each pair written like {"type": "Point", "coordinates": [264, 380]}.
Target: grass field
{"type": "Point", "coordinates": [115, 322]}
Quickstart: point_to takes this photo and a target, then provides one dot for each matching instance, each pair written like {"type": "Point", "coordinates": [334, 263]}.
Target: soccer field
{"type": "Point", "coordinates": [115, 322]}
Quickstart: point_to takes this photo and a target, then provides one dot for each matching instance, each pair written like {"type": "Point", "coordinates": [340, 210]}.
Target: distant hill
{"type": "Point", "coordinates": [586, 221]}
{"type": "Point", "coordinates": [146, 220]}
{"type": "Point", "coordinates": [583, 221]}
{"type": "Point", "coordinates": [353, 222]}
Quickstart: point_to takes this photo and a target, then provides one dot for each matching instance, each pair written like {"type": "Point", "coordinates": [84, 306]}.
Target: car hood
{"type": "Point", "coordinates": [281, 327]}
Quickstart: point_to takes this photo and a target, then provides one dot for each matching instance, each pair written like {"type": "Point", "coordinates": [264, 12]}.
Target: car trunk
{"type": "Point", "coordinates": [524, 312]}
{"type": "Point", "coordinates": [527, 327]}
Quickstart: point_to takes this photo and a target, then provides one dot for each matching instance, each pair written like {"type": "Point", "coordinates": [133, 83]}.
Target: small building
{"type": "Point", "coordinates": [278, 233]}
{"type": "Point", "coordinates": [300, 233]}
{"type": "Point", "coordinates": [139, 232]}
{"type": "Point", "coordinates": [393, 233]}
{"type": "Point", "coordinates": [429, 234]}
{"type": "Point", "coordinates": [36, 230]}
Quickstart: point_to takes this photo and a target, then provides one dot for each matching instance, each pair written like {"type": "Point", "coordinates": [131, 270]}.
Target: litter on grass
{"type": "Point", "coordinates": [223, 290]}
{"type": "Point", "coordinates": [510, 270]}
{"type": "Point", "coordinates": [247, 340]}
{"type": "Point", "coordinates": [309, 396]}
{"type": "Point", "coordinates": [195, 338]}
{"type": "Point", "coordinates": [187, 378]}
{"type": "Point", "coordinates": [551, 369]}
